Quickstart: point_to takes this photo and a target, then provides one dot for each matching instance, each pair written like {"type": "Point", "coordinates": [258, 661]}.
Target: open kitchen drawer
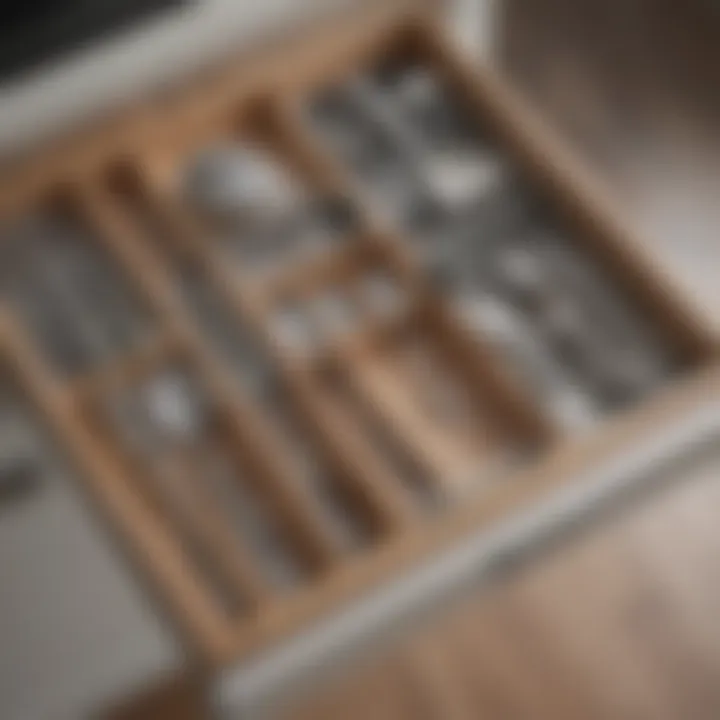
{"type": "Point", "coordinates": [433, 321]}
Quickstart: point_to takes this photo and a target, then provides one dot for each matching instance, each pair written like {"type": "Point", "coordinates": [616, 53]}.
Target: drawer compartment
{"type": "Point", "coordinates": [315, 320]}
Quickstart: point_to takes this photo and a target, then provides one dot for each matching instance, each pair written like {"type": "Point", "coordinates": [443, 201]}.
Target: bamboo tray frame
{"type": "Point", "coordinates": [259, 96]}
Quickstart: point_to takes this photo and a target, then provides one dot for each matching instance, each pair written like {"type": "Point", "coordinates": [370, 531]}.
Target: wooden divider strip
{"type": "Point", "coordinates": [154, 548]}
{"type": "Point", "coordinates": [357, 461]}
{"type": "Point", "coordinates": [121, 240]}
{"type": "Point", "coordinates": [489, 379]}
{"type": "Point", "coordinates": [558, 470]}
{"type": "Point", "coordinates": [300, 147]}
{"type": "Point", "coordinates": [394, 247]}
{"type": "Point", "coordinates": [301, 279]}
{"type": "Point", "coordinates": [298, 144]}
{"type": "Point", "coordinates": [367, 474]}
{"type": "Point", "coordinates": [177, 486]}
{"type": "Point", "coordinates": [248, 430]}
{"type": "Point", "coordinates": [546, 161]}
{"type": "Point", "coordinates": [132, 366]}
{"type": "Point", "coordinates": [383, 391]}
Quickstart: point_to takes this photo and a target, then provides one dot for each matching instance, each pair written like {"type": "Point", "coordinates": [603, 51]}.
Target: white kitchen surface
{"type": "Point", "coordinates": [76, 633]}
{"type": "Point", "coordinates": [102, 76]}
{"type": "Point", "coordinates": [55, 96]}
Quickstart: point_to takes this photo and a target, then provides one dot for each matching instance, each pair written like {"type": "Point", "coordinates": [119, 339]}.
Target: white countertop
{"type": "Point", "coordinates": [102, 76]}
{"type": "Point", "coordinates": [61, 93]}
{"type": "Point", "coordinates": [76, 633]}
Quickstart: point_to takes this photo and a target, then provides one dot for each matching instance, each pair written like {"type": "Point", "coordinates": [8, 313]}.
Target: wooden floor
{"type": "Point", "coordinates": [621, 621]}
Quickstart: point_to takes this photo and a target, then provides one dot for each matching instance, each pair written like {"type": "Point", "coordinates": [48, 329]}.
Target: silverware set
{"type": "Point", "coordinates": [573, 338]}
{"type": "Point", "coordinates": [168, 426]}
{"type": "Point", "coordinates": [262, 214]}
{"type": "Point", "coordinates": [409, 144]}
{"type": "Point", "coordinates": [307, 323]}
{"type": "Point", "coordinates": [567, 333]}
{"type": "Point", "coordinates": [73, 298]}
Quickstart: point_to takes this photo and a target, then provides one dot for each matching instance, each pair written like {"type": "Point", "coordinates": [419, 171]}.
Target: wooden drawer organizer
{"type": "Point", "coordinates": [393, 436]}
